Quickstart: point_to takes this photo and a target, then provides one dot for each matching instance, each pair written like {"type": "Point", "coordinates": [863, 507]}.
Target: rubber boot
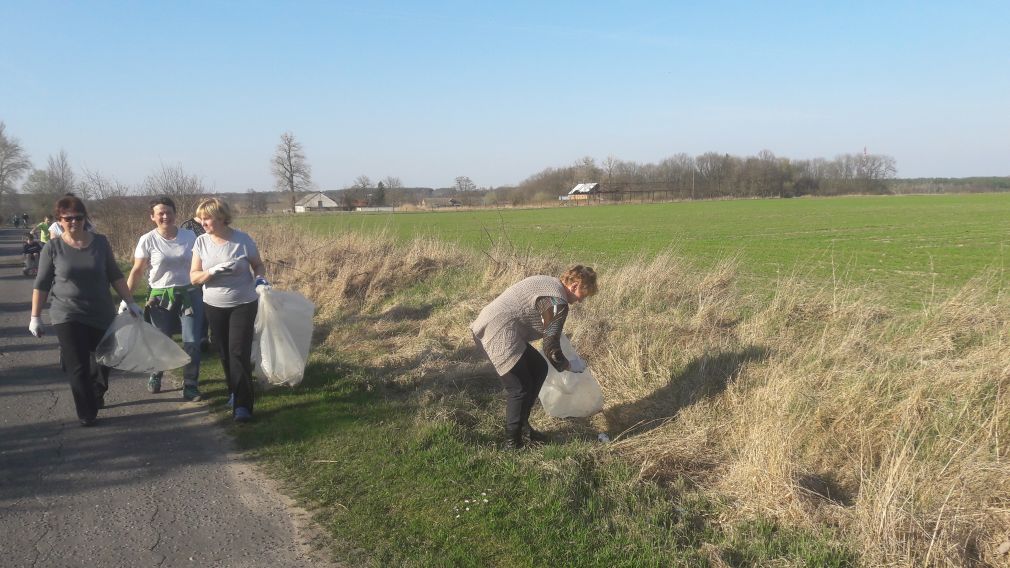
{"type": "Point", "coordinates": [535, 436]}
{"type": "Point", "coordinates": [514, 439]}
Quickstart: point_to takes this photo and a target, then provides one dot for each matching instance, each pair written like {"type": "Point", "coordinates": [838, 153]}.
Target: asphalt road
{"type": "Point", "coordinates": [156, 483]}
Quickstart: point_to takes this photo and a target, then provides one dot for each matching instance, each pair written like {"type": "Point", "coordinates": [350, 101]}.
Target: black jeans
{"type": "Point", "coordinates": [233, 335]}
{"type": "Point", "coordinates": [88, 379]}
{"type": "Point", "coordinates": [522, 386]}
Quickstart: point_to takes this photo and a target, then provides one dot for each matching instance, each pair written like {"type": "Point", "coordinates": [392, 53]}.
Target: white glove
{"type": "Point", "coordinates": [135, 310]}
{"type": "Point", "coordinates": [122, 307]}
{"type": "Point", "coordinates": [577, 365]}
{"type": "Point", "coordinates": [35, 326]}
{"type": "Point", "coordinates": [223, 268]}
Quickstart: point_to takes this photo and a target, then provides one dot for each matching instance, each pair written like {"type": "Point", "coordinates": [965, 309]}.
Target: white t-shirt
{"type": "Point", "coordinates": [170, 258]}
{"type": "Point", "coordinates": [238, 287]}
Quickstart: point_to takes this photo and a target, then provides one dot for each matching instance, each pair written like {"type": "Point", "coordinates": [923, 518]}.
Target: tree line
{"type": "Point", "coordinates": [681, 176]}
{"type": "Point", "coordinates": [713, 175]}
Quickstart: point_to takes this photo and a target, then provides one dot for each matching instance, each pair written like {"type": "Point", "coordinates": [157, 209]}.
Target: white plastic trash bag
{"type": "Point", "coordinates": [566, 394]}
{"type": "Point", "coordinates": [132, 344]}
{"type": "Point", "coordinates": [283, 336]}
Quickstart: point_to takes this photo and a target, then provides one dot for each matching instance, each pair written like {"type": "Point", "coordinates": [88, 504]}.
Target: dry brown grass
{"type": "Point", "coordinates": [818, 407]}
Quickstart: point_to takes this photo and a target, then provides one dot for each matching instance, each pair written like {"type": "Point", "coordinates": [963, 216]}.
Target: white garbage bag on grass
{"type": "Point", "coordinates": [283, 336]}
{"type": "Point", "coordinates": [132, 344]}
{"type": "Point", "coordinates": [566, 394]}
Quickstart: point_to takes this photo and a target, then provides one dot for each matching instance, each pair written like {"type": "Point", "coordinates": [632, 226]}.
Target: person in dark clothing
{"type": "Point", "coordinates": [193, 224]}
{"type": "Point", "coordinates": [75, 272]}
{"type": "Point", "coordinates": [31, 250]}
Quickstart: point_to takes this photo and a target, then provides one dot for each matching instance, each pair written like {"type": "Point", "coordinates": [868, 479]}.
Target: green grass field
{"type": "Point", "coordinates": [901, 247]}
{"type": "Point", "coordinates": [389, 464]}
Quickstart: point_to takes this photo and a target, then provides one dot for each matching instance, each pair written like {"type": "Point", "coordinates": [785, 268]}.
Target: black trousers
{"type": "Point", "coordinates": [233, 335]}
{"type": "Point", "coordinates": [522, 386]}
{"type": "Point", "coordinates": [88, 379]}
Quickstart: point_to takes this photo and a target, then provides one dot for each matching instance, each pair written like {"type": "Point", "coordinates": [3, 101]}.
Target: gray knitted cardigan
{"type": "Point", "coordinates": [511, 321]}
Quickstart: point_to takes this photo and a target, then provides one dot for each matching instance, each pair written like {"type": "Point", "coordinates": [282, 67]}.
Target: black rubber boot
{"type": "Point", "coordinates": [538, 437]}
{"type": "Point", "coordinates": [535, 436]}
{"type": "Point", "coordinates": [514, 439]}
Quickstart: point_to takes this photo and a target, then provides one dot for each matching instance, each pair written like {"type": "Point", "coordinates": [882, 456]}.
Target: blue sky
{"type": "Point", "coordinates": [428, 91]}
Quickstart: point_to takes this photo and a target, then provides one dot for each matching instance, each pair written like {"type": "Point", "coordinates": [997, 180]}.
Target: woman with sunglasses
{"type": "Point", "coordinates": [75, 272]}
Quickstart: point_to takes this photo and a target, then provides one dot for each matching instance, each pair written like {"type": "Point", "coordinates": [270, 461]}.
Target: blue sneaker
{"type": "Point", "coordinates": [242, 414]}
{"type": "Point", "coordinates": [231, 401]}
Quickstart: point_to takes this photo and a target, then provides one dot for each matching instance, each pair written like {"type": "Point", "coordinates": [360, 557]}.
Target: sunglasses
{"type": "Point", "coordinates": [70, 218]}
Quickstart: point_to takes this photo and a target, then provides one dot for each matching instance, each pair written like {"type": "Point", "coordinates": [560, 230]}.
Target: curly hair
{"type": "Point", "coordinates": [584, 275]}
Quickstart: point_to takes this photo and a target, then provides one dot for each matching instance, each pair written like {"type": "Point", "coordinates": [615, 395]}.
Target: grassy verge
{"type": "Point", "coordinates": [397, 485]}
{"type": "Point", "coordinates": [800, 429]}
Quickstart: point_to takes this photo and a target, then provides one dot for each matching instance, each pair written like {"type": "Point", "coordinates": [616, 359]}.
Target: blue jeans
{"type": "Point", "coordinates": [169, 322]}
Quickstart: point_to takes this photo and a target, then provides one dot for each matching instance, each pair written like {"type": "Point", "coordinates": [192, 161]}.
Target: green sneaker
{"type": "Point", "coordinates": [191, 394]}
{"type": "Point", "coordinates": [154, 384]}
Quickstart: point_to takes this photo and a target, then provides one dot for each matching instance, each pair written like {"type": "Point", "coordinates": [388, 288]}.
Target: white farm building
{"type": "Point", "coordinates": [580, 192]}
{"type": "Point", "coordinates": [317, 201]}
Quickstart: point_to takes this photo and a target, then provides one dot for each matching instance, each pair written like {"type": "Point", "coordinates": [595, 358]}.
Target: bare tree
{"type": "Point", "coordinates": [119, 217]}
{"type": "Point", "coordinates": [37, 186]}
{"type": "Point", "coordinates": [95, 186]}
{"type": "Point", "coordinates": [464, 183]}
{"type": "Point", "coordinates": [61, 175]}
{"type": "Point", "coordinates": [362, 182]}
{"type": "Point", "coordinates": [184, 189]}
{"type": "Point", "coordinates": [392, 182]}
{"type": "Point", "coordinates": [14, 163]}
{"type": "Point", "coordinates": [586, 170]}
{"type": "Point", "coordinates": [291, 170]}
{"type": "Point", "coordinates": [609, 165]}
{"type": "Point", "coordinates": [48, 185]}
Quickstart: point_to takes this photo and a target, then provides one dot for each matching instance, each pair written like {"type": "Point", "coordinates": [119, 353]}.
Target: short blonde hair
{"type": "Point", "coordinates": [584, 275]}
{"type": "Point", "coordinates": [216, 208]}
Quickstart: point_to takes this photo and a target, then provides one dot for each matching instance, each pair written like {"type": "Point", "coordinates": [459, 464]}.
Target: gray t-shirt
{"type": "Point", "coordinates": [78, 280]}
{"type": "Point", "coordinates": [238, 287]}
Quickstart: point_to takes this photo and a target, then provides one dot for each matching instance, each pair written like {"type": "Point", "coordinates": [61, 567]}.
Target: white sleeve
{"type": "Point", "coordinates": [141, 251]}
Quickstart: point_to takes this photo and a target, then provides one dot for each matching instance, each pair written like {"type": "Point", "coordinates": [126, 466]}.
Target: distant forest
{"type": "Point", "coordinates": [713, 175]}
{"type": "Point", "coordinates": [682, 177]}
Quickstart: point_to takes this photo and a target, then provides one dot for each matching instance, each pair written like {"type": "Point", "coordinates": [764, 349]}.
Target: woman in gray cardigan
{"type": "Point", "coordinates": [533, 308]}
{"type": "Point", "coordinates": [75, 272]}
